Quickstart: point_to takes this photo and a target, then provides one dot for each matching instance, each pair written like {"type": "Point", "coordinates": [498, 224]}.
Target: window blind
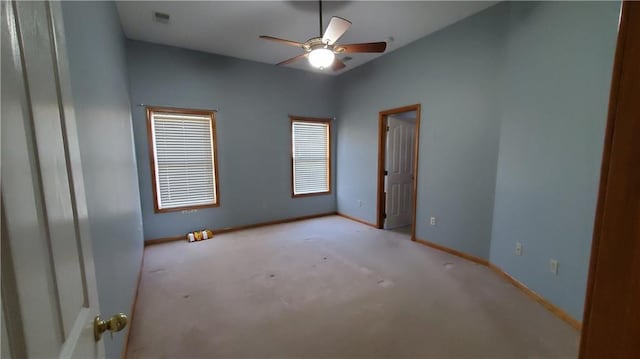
{"type": "Point", "coordinates": [184, 159]}
{"type": "Point", "coordinates": [310, 157]}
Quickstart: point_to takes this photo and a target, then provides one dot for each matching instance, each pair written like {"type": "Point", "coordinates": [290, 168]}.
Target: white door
{"type": "Point", "coordinates": [399, 167]}
{"type": "Point", "coordinates": [49, 294]}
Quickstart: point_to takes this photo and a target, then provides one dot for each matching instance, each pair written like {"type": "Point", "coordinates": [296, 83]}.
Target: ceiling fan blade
{"type": "Point", "coordinates": [282, 41]}
{"type": "Point", "coordinates": [293, 59]}
{"type": "Point", "coordinates": [338, 65]}
{"type": "Point", "coordinates": [364, 47]}
{"type": "Point", "coordinates": [337, 27]}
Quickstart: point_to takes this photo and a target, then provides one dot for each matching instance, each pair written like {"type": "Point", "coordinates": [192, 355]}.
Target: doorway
{"type": "Point", "coordinates": [398, 141]}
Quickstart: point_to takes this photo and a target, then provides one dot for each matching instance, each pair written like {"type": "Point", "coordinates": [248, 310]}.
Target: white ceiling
{"type": "Point", "coordinates": [232, 28]}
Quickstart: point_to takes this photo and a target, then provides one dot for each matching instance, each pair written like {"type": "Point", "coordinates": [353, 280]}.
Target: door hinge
{"type": "Point", "coordinates": [385, 215]}
{"type": "Point", "coordinates": [386, 173]}
{"type": "Point", "coordinates": [387, 128]}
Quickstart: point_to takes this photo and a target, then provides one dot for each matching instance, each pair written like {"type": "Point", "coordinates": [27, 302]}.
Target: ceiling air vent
{"type": "Point", "coordinates": [161, 17]}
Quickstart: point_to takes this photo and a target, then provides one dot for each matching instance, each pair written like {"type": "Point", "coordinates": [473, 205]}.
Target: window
{"type": "Point", "coordinates": [310, 156]}
{"type": "Point", "coordinates": [182, 144]}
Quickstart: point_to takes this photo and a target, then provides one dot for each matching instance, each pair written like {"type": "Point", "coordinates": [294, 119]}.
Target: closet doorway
{"type": "Point", "coordinates": [398, 140]}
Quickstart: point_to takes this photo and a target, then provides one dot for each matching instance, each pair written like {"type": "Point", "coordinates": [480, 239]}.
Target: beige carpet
{"type": "Point", "coordinates": [332, 288]}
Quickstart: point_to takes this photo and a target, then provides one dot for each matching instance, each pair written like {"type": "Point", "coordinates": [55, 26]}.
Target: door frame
{"type": "Point", "coordinates": [382, 149]}
{"type": "Point", "coordinates": [610, 323]}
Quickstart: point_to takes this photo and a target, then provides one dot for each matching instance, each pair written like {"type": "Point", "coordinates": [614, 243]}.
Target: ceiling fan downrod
{"type": "Point", "coordinates": [320, 13]}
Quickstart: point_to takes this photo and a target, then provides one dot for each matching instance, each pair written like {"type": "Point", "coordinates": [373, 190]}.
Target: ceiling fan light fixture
{"type": "Point", "coordinates": [321, 57]}
{"type": "Point", "coordinates": [321, 51]}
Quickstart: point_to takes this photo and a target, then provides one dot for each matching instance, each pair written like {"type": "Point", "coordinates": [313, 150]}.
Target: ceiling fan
{"type": "Point", "coordinates": [321, 50]}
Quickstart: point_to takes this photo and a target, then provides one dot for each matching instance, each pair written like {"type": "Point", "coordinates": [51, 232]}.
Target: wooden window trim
{"type": "Point", "coordinates": [328, 121]}
{"type": "Point", "coordinates": [151, 145]}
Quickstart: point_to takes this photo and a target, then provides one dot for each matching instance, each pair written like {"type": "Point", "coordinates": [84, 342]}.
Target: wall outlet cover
{"type": "Point", "coordinates": [432, 221]}
{"type": "Point", "coordinates": [553, 266]}
{"type": "Point", "coordinates": [518, 249]}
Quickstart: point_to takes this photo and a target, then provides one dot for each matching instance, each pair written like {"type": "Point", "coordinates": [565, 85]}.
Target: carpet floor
{"type": "Point", "coordinates": [332, 288]}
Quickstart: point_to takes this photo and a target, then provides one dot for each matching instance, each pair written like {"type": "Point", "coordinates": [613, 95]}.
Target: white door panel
{"type": "Point", "coordinates": [50, 154]}
{"type": "Point", "coordinates": [399, 178]}
{"type": "Point", "coordinates": [51, 278]}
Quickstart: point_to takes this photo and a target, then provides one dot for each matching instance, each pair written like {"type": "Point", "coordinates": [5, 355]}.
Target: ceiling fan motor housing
{"type": "Point", "coordinates": [315, 43]}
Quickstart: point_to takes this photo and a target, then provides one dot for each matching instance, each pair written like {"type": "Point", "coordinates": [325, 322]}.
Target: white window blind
{"type": "Point", "coordinates": [310, 157]}
{"type": "Point", "coordinates": [184, 158]}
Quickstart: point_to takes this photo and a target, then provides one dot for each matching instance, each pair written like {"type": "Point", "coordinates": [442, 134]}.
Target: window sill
{"type": "Point", "coordinates": [310, 194]}
{"type": "Point", "coordinates": [186, 208]}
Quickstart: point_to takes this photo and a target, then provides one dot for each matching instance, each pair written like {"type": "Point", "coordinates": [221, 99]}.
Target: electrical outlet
{"type": "Point", "coordinates": [359, 203]}
{"type": "Point", "coordinates": [518, 249]}
{"type": "Point", "coordinates": [432, 221]}
{"type": "Point", "coordinates": [553, 266]}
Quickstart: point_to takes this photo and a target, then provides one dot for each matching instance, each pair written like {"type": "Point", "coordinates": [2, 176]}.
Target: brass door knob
{"type": "Point", "coordinates": [114, 324]}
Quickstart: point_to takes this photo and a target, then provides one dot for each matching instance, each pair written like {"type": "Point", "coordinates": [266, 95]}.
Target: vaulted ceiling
{"type": "Point", "coordinates": [232, 28]}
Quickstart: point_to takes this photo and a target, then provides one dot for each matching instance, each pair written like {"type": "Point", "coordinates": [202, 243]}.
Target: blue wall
{"type": "Point", "coordinates": [513, 112]}
{"type": "Point", "coordinates": [454, 75]}
{"type": "Point", "coordinates": [96, 52]}
{"type": "Point", "coordinates": [514, 103]}
{"type": "Point", "coordinates": [255, 101]}
{"type": "Point", "coordinates": [556, 89]}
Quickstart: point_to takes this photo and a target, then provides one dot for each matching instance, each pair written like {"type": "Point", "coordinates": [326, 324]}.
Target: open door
{"type": "Point", "coordinates": [401, 133]}
{"type": "Point", "coordinates": [398, 143]}
{"type": "Point", "coordinates": [49, 294]}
